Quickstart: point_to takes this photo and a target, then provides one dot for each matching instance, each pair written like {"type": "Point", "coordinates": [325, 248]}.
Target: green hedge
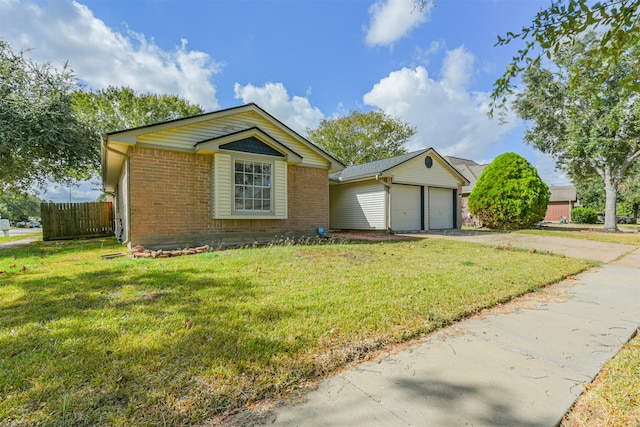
{"type": "Point", "coordinates": [584, 216]}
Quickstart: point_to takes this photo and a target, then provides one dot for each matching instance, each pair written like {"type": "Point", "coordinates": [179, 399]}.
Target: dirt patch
{"type": "Point", "coordinates": [373, 236]}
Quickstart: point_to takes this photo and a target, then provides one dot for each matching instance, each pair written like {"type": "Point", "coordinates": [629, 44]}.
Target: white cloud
{"type": "Point", "coordinates": [83, 191]}
{"type": "Point", "coordinates": [447, 114]}
{"type": "Point", "coordinates": [60, 31]}
{"type": "Point", "coordinates": [392, 20]}
{"type": "Point", "coordinates": [295, 112]}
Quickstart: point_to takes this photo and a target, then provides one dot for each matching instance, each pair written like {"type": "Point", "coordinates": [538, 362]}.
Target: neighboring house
{"type": "Point", "coordinates": [561, 200]}
{"type": "Point", "coordinates": [471, 171]}
{"type": "Point", "coordinates": [411, 192]}
{"type": "Point", "coordinates": [226, 177]}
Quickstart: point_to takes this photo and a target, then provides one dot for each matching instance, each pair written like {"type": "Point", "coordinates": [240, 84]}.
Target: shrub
{"type": "Point", "coordinates": [509, 194]}
{"type": "Point", "coordinates": [584, 216]}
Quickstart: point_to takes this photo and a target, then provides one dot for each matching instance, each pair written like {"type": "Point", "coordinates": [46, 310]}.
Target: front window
{"type": "Point", "coordinates": [252, 186]}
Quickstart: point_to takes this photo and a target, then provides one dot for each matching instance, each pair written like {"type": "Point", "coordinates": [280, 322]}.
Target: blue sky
{"type": "Point", "coordinates": [301, 60]}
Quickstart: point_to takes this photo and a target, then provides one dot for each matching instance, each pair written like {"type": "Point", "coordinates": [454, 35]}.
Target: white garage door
{"type": "Point", "coordinates": [405, 208]}
{"type": "Point", "coordinates": [440, 208]}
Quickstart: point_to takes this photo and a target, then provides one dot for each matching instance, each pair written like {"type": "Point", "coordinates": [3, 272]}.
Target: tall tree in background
{"type": "Point", "coordinates": [19, 207]}
{"type": "Point", "coordinates": [362, 137]}
{"type": "Point", "coordinates": [588, 121]}
{"type": "Point", "coordinates": [119, 108]}
{"type": "Point", "coordinates": [41, 138]}
{"type": "Point", "coordinates": [565, 22]}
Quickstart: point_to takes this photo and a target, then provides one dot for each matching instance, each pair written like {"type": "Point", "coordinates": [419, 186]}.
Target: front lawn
{"type": "Point", "coordinates": [86, 340]}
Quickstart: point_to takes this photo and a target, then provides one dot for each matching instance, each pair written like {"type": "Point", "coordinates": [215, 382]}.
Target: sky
{"type": "Point", "coordinates": [300, 60]}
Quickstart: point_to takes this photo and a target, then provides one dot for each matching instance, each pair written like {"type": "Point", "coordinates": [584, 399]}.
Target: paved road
{"type": "Point", "coordinates": [522, 364]}
{"type": "Point", "coordinates": [21, 232]}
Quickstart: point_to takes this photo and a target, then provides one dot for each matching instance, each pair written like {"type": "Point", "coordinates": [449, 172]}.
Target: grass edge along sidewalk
{"type": "Point", "coordinates": [86, 341]}
{"type": "Point", "coordinates": [613, 398]}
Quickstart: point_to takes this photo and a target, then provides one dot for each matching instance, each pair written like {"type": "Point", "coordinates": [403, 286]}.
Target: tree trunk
{"type": "Point", "coordinates": [611, 192]}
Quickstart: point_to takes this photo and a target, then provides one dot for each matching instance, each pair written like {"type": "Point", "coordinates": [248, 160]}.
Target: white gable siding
{"type": "Point", "coordinates": [184, 138]}
{"type": "Point", "coordinates": [415, 172]}
{"type": "Point", "coordinates": [357, 206]}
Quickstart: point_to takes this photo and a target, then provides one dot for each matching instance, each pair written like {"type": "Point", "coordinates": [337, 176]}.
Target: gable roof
{"type": "Point", "coordinates": [469, 169]}
{"type": "Point", "coordinates": [194, 134]}
{"type": "Point", "coordinates": [379, 167]}
{"type": "Point", "coordinates": [564, 193]}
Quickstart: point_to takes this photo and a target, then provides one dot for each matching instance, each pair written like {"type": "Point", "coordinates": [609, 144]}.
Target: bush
{"type": "Point", "coordinates": [584, 216]}
{"type": "Point", "coordinates": [509, 194]}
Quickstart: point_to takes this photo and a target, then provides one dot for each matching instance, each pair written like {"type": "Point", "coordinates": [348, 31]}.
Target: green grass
{"type": "Point", "coordinates": [613, 399]}
{"type": "Point", "coordinates": [89, 341]}
{"type": "Point", "coordinates": [7, 239]}
{"type": "Point", "coordinates": [627, 238]}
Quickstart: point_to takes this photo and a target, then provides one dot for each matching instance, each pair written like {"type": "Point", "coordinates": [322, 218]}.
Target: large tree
{"type": "Point", "coordinates": [564, 22]}
{"type": "Point", "coordinates": [362, 137]}
{"type": "Point", "coordinates": [19, 207]}
{"type": "Point", "coordinates": [585, 116]}
{"type": "Point", "coordinates": [119, 108]}
{"type": "Point", "coordinates": [509, 194]}
{"type": "Point", "coordinates": [40, 136]}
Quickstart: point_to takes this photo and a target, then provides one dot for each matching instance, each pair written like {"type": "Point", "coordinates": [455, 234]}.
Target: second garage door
{"type": "Point", "coordinates": [440, 208]}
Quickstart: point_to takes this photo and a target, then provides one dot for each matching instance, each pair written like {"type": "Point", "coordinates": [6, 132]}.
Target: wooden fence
{"type": "Point", "coordinates": [76, 220]}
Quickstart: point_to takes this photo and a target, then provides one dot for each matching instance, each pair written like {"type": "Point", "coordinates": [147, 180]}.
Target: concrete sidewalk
{"type": "Point", "coordinates": [522, 364]}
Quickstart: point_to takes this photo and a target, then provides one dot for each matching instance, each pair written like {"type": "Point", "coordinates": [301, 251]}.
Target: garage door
{"type": "Point", "coordinates": [405, 208]}
{"type": "Point", "coordinates": [440, 208]}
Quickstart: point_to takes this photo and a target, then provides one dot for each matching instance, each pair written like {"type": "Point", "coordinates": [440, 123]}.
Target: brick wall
{"type": "Point", "coordinates": [171, 203]}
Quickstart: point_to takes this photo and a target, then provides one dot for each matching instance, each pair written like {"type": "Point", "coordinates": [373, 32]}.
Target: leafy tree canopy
{"type": "Point", "coordinates": [589, 125]}
{"type": "Point", "coordinates": [40, 136]}
{"type": "Point", "coordinates": [119, 108]}
{"type": "Point", "coordinates": [565, 22]}
{"type": "Point", "coordinates": [361, 137]}
{"type": "Point", "coordinates": [19, 207]}
{"type": "Point", "coordinates": [509, 194]}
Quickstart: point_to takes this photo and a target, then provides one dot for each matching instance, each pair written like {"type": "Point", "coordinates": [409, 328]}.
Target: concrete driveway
{"type": "Point", "coordinates": [574, 248]}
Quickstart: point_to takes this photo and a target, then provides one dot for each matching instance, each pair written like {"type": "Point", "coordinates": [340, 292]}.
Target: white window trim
{"type": "Point", "coordinates": [278, 187]}
{"type": "Point", "coordinates": [253, 158]}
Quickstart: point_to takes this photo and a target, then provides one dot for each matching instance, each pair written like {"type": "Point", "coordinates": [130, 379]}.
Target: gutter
{"type": "Point", "coordinates": [105, 145]}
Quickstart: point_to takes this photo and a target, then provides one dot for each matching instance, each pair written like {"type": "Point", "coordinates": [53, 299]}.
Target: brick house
{"type": "Point", "coordinates": [225, 177]}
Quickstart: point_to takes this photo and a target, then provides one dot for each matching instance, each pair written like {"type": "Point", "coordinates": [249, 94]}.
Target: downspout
{"type": "Point", "coordinates": [387, 214]}
{"type": "Point", "coordinates": [105, 144]}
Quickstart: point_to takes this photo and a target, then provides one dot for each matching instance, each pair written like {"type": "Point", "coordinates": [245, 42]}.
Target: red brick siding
{"type": "Point", "coordinates": [171, 200]}
{"type": "Point", "coordinates": [557, 210]}
{"type": "Point", "coordinates": [170, 192]}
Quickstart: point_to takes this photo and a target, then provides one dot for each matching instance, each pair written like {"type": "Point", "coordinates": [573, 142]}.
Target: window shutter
{"type": "Point", "coordinates": [223, 198]}
{"type": "Point", "coordinates": [280, 188]}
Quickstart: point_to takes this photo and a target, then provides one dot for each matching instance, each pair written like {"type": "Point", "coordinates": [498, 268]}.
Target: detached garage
{"type": "Point", "coordinates": [412, 192]}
